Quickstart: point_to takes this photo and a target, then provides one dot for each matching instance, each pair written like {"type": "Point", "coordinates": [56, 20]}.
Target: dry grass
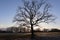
{"type": "Point", "coordinates": [26, 36]}
{"type": "Point", "coordinates": [49, 34]}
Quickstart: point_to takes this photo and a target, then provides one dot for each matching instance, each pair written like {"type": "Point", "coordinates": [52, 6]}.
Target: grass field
{"type": "Point", "coordinates": [26, 36]}
{"type": "Point", "coordinates": [48, 34]}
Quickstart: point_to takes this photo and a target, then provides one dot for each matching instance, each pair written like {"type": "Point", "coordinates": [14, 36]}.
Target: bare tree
{"type": "Point", "coordinates": [33, 12]}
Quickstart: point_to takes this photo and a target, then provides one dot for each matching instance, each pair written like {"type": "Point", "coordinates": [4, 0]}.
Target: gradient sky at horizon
{"type": "Point", "coordinates": [8, 9]}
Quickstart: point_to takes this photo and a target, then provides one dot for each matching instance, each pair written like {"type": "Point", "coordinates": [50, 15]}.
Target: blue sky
{"type": "Point", "coordinates": [8, 10]}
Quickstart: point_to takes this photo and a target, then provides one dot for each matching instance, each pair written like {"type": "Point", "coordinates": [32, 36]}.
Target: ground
{"type": "Point", "coordinates": [27, 36]}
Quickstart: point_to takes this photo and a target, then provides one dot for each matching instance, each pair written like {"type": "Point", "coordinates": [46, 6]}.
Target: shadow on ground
{"type": "Point", "coordinates": [35, 38]}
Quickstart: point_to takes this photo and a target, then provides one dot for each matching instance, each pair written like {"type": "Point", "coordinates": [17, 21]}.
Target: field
{"type": "Point", "coordinates": [27, 36]}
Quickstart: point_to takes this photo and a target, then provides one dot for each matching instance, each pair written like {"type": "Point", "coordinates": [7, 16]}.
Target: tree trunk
{"type": "Point", "coordinates": [32, 32]}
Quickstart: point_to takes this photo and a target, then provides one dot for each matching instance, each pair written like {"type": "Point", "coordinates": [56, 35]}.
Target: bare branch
{"type": "Point", "coordinates": [34, 12]}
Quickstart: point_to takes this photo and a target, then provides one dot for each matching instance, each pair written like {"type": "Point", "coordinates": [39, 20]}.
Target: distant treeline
{"type": "Point", "coordinates": [47, 30]}
{"type": "Point", "coordinates": [1, 31]}
{"type": "Point", "coordinates": [54, 30]}
{"type": "Point", "coordinates": [23, 30]}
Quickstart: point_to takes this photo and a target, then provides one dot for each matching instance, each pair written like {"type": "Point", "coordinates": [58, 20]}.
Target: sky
{"type": "Point", "coordinates": [8, 9]}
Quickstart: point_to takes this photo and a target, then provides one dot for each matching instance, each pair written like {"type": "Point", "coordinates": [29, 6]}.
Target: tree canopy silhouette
{"type": "Point", "coordinates": [33, 12]}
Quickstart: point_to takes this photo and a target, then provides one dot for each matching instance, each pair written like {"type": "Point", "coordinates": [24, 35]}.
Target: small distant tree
{"type": "Point", "coordinates": [37, 30]}
{"type": "Point", "coordinates": [45, 30]}
{"type": "Point", "coordinates": [21, 28]}
{"type": "Point", "coordinates": [33, 12]}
